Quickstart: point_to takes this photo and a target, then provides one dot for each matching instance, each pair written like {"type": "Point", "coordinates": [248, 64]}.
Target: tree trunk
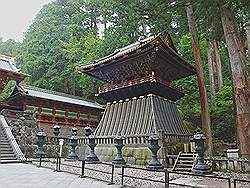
{"type": "Point", "coordinates": [239, 76]}
{"type": "Point", "coordinates": [200, 77]}
{"type": "Point", "coordinates": [218, 64]}
{"type": "Point", "coordinates": [248, 38]}
{"type": "Point", "coordinates": [211, 67]}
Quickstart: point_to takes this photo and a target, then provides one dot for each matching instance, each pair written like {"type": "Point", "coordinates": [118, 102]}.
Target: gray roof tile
{"type": "Point", "coordinates": [57, 96]}
{"type": "Point", "coordinates": [140, 116]}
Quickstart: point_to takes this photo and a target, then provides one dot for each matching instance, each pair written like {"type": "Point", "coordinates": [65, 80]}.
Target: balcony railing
{"type": "Point", "coordinates": [149, 78]}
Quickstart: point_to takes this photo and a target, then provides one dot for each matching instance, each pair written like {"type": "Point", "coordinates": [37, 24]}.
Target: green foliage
{"type": "Point", "coordinates": [221, 109]}
{"type": "Point", "coordinates": [79, 52]}
{"type": "Point", "coordinates": [67, 33]}
{"type": "Point", "coordinates": [8, 47]}
{"type": "Point", "coordinates": [7, 90]}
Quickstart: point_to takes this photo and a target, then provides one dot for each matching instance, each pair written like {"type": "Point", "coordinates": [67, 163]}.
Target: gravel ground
{"type": "Point", "coordinates": [105, 175]}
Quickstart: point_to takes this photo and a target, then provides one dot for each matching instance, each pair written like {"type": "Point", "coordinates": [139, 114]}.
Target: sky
{"type": "Point", "coordinates": [16, 16]}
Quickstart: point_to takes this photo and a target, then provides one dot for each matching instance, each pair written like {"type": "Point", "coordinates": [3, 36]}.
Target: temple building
{"type": "Point", "coordinates": [49, 107]}
{"type": "Point", "coordinates": [55, 108]}
{"type": "Point", "coordinates": [140, 96]}
{"type": "Point", "coordinates": [8, 71]}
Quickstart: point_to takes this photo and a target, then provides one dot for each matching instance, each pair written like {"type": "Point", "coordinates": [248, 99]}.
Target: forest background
{"type": "Point", "coordinates": [67, 33]}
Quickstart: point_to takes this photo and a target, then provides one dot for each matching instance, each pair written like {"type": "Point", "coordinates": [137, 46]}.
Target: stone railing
{"type": "Point", "coordinates": [131, 140]}
{"type": "Point", "coordinates": [128, 139]}
{"type": "Point", "coordinates": [236, 165]}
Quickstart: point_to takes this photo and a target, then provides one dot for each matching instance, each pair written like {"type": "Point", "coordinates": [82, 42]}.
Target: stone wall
{"type": "Point", "coordinates": [65, 131]}
{"type": "Point", "coordinates": [24, 129]}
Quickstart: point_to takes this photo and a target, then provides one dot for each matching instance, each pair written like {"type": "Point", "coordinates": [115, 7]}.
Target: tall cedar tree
{"type": "Point", "coordinates": [218, 63]}
{"type": "Point", "coordinates": [239, 75]}
{"type": "Point", "coordinates": [205, 117]}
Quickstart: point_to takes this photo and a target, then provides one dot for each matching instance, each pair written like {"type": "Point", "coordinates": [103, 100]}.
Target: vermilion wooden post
{"type": "Point", "coordinates": [78, 118]}
{"type": "Point", "coordinates": [67, 117]}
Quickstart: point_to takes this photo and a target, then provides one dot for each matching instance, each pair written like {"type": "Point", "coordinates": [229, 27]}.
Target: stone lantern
{"type": "Point", "coordinates": [119, 160]}
{"type": "Point", "coordinates": [73, 142]}
{"type": "Point", "coordinates": [201, 167]}
{"type": "Point", "coordinates": [87, 131]}
{"type": "Point", "coordinates": [154, 147]}
{"type": "Point", "coordinates": [41, 139]}
{"type": "Point", "coordinates": [74, 131]}
{"type": "Point", "coordinates": [92, 144]}
{"type": "Point", "coordinates": [56, 130]}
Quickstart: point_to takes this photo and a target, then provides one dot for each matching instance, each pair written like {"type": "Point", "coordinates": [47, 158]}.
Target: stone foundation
{"type": "Point", "coordinates": [135, 155]}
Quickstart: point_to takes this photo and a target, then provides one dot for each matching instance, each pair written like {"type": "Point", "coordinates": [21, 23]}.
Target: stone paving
{"type": "Point", "coordinates": [185, 180]}
{"type": "Point", "coordinates": [30, 176]}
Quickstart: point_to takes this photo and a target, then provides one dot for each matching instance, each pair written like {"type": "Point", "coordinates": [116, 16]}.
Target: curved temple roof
{"type": "Point", "coordinates": [7, 65]}
{"type": "Point", "coordinates": [55, 96]}
{"type": "Point", "coordinates": [98, 67]}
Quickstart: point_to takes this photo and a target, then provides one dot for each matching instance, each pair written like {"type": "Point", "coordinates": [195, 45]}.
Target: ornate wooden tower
{"type": "Point", "coordinates": [141, 98]}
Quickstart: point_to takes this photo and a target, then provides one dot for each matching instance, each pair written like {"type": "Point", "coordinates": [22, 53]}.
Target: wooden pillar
{"type": "Point", "coordinates": [78, 117]}
{"type": "Point", "coordinates": [89, 120]}
{"type": "Point", "coordinates": [24, 105]}
{"type": "Point", "coordinates": [67, 117]}
{"type": "Point", "coordinates": [53, 115]}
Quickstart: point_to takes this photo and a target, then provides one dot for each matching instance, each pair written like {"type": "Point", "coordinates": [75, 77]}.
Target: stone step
{"type": "Point", "coordinates": [186, 158]}
{"type": "Point", "coordinates": [186, 161]}
{"type": "Point", "coordinates": [6, 149]}
{"type": "Point", "coordinates": [4, 141]}
{"type": "Point", "coordinates": [7, 155]}
{"type": "Point", "coordinates": [10, 161]}
{"type": "Point", "coordinates": [184, 165]}
{"type": "Point", "coordinates": [8, 158]}
{"type": "Point", "coordinates": [182, 169]}
{"type": "Point", "coordinates": [9, 149]}
{"type": "Point", "coordinates": [187, 154]}
{"type": "Point", "coordinates": [2, 154]}
{"type": "Point", "coordinates": [5, 146]}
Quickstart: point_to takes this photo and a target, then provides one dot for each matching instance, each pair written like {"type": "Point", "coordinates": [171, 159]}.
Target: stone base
{"type": "Point", "coordinates": [119, 162]}
{"type": "Point", "coordinates": [155, 167]}
{"type": "Point", "coordinates": [91, 158]}
{"type": "Point", "coordinates": [135, 155]}
{"type": "Point", "coordinates": [72, 159]}
{"type": "Point", "coordinates": [202, 169]}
